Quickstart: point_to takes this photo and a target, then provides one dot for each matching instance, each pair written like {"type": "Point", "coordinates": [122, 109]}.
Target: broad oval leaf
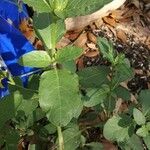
{"type": "Point", "coordinates": [59, 96]}
{"type": "Point", "coordinates": [146, 141]}
{"type": "Point", "coordinates": [134, 143]}
{"type": "Point", "coordinates": [58, 5]}
{"type": "Point", "coordinates": [96, 96]}
{"type": "Point", "coordinates": [50, 32]}
{"type": "Point", "coordinates": [39, 5]}
{"type": "Point", "coordinates": [93, 76]}
{"type": "Point", "coordinates": [11, 139]}
{"type": "Point", "coordinates": [82, 7]}
{"type": "Point", "coordinates": [117, 129]}
{"type": "Point", "coordinates": [139, 117]}
{"type": "Point", "coordinates": [68, 53]}
{"type": "Point", "coordinates": [37, 59]}
{"type": "Point", "coordinates": [123, 93]}
{"type": "Point", "coordinates": [145, 102]}
{"type": "Point", "coordinates": [143, 131]}
{"type": "Point", "coordinates": [20, 100]}
{"type": "Point", "coordinates": [106, 48]}
{"type": "Point", "coordinates": [72, 137]}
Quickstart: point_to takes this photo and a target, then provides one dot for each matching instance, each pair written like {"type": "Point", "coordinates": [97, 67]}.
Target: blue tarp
{"type": "Point", "coordinates": [12, 42]}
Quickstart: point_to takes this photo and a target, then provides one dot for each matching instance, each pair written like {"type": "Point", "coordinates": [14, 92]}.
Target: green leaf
{"type": "Point", "coordinates": [95, 146]}
{"type": "Point", "coordinates": [72, 138]}
{"type": "Point", "coordinates": [70, 65]}
{"type": "Point", "coordinates": [146, 141]}
{"type": "Point", "coordinates": [96, 96]}
{"type": "Point", "coordinates": [7, 110]}
{"type": "Point", "coordinates": [39, 5]}
{"type": "Point", "coordinates": [59, 96]}
{"type": "Point", "coordinates": [134, 143]}
{"type": "Point", "coordinates": [143, 131]}
{"type": "Point", "coordinates": [37, 59]}
{"type": "Point", "coordinates": [20, 100]}
{"type": "Point", "coordinates": [93, 76]}
{"type": "Point", "coordinates": [117, 129]}
{"type": "Point", "coordinates": [139, 117]}
{"type": "Point", "coordinates": [123, 93]}
{"type": "Point", "coordinates": [145, 102]}
{"type": "Point", "coordinates": [3, 74]}
{"type": "Point", "coordinates": [68, 53]}
{"type": "Point", "coordinates": [12, 140]}
{"type": "Point", "coordinates": [50, 128]}
{"type": "Point", "coordinates": [106, 48]}
{"type": "Point", "coordinates": [50, 32]}
{"type": "Point", "coordinates": [32, 147]}
{"type": "Point", "coordinates": [33, 82]}
{"type": "Point", "coordinates": [122, 73]}
{"type": "Point", "coordinates": [82, 7]}
{"type": "Point", "coordinates": [148, 126]}
{"type": "Point", "coordinates": [25, 100]}
{"type": "Point", "coordinates": [58, 6]}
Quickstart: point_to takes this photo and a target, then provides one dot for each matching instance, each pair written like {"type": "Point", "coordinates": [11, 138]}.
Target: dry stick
{"type": "Point", "coordinates": [82, 21]}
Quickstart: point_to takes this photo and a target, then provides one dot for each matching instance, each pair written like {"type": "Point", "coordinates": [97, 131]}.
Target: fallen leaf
{"type": "Point", "coordinates": [92, 46]}
{"type": "Point", "coordinates": [81, 40]}
{"type": "Point", "coordinates": [108, 145]}
{"type": "Point", "coordinates": [92, 37]}
{"type": "Point", "coordinates": [80, 63]}
{"type": "Point", "coordinates": [72, 35]}
{"type": "Point", "coordinates": [91, 53]}
{"type": "Point", "coordinates": [62, 43]}
{"type": "Point", "coordinates": [27, 30]}
{"type": "Point", "coordinates": [136, 3]}
{"type": "Point", "coordinates": [121, 35]}
{"type": "Point", "coordinates": [109, 20]}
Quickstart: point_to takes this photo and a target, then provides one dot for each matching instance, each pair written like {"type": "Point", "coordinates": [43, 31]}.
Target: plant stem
{"type": "Point", "coordinates": [60, 138]}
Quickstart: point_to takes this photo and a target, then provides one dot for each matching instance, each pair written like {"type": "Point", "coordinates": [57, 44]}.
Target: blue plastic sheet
{"type": "Point", "coordinates": [12, 42]}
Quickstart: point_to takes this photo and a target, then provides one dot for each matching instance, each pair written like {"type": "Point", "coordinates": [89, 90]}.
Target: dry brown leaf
{"type": "Point", "coordinates": [27, 30]}
{"type": "Point", "coordinates": [108, 145]}
{"type": "Point", "coordinates": [92, 37]}
{"type": "Point", "coordinates": [72, 35]}
{"type": "Point", "coordinates": [121, 35]}
{"type": "Point", "coordinates": [80, 63]}
{"type": "Point", "coordinates": [91, 53]}
{"type": "Point", "coordinates": [124, 84]}
{"type": "Point", "coordinates": [136, 3]}
{"type": "Point", "coordinates": [98, 22]}
{"type": "Point", "coordinates": [109, 20]}
{"type": "Point", "coordinates": [138, 71]}
{"type": "Point", "coordinates": [133, 99]}
{"type": "Point", "coordinates": [62, 43]}
{"type": "Point", "coordinates": [81, 40]}
{"type": "Point", "coordinates": [30, 35]}
{"type": "Point", "coordinates": [116, 14]}
{"type": "Point", "coordinates": [39, 45]}
{"type": "Point", "coordinates": [92, 46]}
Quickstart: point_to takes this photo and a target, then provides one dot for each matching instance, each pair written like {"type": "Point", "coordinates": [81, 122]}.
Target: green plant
{"type": "Point", "coordinates": [48, 111]}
